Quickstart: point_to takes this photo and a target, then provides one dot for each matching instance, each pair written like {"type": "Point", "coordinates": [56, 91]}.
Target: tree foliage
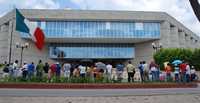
{"type": "Point", "coordinates": [171, 54]}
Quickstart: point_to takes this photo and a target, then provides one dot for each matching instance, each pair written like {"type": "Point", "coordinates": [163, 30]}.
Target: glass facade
{"type": "Point", "coordinates": [92, 51]}
{"type": "Point", "coordinates": [99, 29]}
{"type": "Point", "coordinates": [96, 29]}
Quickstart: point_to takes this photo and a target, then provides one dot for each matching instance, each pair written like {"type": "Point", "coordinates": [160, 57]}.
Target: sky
{"type": "Point", "coordinates": [179, 9]}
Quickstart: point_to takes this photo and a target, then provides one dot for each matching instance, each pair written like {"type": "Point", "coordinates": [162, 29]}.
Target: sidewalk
{"type": "Point", "coordinates": [185, 98]}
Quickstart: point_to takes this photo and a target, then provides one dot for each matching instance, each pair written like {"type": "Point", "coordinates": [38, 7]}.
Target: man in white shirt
{"type": "Point", "coordinates": [109, 71]}
{"type": "Point", "coordinates": [24, 70]}
{"type": "Point", "coordinates": [146, 71]}
{"type": "Point", "coordinates": [82, 70]}
{"type": "Point", "coordinates": [15, 69]}
{"type": "Point", "coordinates": [66, 70]}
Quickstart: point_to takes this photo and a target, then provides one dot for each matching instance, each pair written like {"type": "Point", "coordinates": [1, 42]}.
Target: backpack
{"type": "Point", "coordinates": [6, 69]}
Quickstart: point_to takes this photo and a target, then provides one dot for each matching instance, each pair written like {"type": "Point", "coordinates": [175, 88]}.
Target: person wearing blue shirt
{"type": "Point", "coordinates": [31, 69]}
{"type": "Point", "coordinates": [120, 69]}
{"type": "Point", "coordinates": [141, 68]}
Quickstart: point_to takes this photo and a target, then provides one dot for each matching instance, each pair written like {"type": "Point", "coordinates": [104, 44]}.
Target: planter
{"type": "Point", "coordinates": [95, 85]}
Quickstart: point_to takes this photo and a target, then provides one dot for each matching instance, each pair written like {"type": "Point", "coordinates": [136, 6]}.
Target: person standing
{"type": "Point", "coordinates": [188, 73]}
{"type": "Point", "coordinates": [46, 68]}
{"type": "Point", "coordinates": [183, 71]}
{"type": "Point", "coordinates": [120, 69]}
{"type": "Point", "coordinates": [146, 71]}
{"type": "Point", "coordinates": [66, 70]}
{"type": "Point", "coordinates": [82, 71]}
{"type": "Point", "coordinates": [176, 72]}
{"type": "Point", "coordinates": [141, 68]}
{"type": "Point", "coordinates": [168, 70]}
{"type": "Point", "coordinates": [109, 71]}
{"type": "Point", "coordinates": [31, 69]}
{"type": "Point", "coordinates": [154, 69]}
{"type": "Point", "coordinates": [58, 71]}
{"type": "Point", "coordinates": [88, 71]}
{"type": "Point", "coordinates": [39, 70]}
{"type": "Point", "coordinates": [25, 71]}
{"type": "Point", "coordinates": [15, 69]}
{"type": "Point", "coordinates": [51, 72]}
{"type": "Point", "coordinates": [131, 71]}
{"type": "Point", "coordinates": [193, 74]}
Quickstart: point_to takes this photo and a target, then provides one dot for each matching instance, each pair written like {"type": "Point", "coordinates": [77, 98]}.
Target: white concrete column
{"type": "Point", "coordinates": [10, 32]}
{"type": "Point", "coordinates": [3, 42]}
{"type": "Point", "coordinates": [192, 42]}
{"type": "Point", "coordinates": [187, 40]}
{"type": "Point", "coordinates": [174, 40]}
{"type": "Point", "coordinates": [165, 34]}
{"type": "Point", "coordinates": [182, 39]}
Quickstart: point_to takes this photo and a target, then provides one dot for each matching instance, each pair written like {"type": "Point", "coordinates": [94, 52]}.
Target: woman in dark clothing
{"type": "Point", "coordinates": [46, 67]}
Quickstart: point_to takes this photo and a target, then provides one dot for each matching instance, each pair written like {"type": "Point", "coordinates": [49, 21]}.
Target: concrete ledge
{"type": "Point", "coordinates": [96, 85]}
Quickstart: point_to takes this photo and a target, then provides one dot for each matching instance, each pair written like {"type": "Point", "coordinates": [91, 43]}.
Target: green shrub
{"type": "Point", "coordinates": [171, 54]}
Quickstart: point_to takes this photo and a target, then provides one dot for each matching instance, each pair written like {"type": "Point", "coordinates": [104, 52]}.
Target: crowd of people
{"type": "Point", "coordinates": [143, 72]}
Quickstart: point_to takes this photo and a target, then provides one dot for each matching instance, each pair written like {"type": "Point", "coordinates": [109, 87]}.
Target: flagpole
{"type": "Point", "coordinates": [11, 41]}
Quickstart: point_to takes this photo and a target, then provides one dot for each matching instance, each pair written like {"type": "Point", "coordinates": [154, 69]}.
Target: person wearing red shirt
{"type": "Point", "coordinates": [183, 71]}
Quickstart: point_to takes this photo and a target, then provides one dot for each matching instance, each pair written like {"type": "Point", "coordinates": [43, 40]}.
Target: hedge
{"type": "Point", "coordinates": [171, 54]}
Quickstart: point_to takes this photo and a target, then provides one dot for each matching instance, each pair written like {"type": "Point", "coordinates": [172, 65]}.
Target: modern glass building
{"type": "Point", "coordinates": [99, 35]}
{"type": "Point", "coordinates": [96, 30]}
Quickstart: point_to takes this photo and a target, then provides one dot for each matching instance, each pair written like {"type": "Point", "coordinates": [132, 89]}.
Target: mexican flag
{"type": "Point", "coordinates": [31, 28]}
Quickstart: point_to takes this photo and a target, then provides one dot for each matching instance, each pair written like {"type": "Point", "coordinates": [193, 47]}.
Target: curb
{"type": "Point", "coordinates": [95, 86]}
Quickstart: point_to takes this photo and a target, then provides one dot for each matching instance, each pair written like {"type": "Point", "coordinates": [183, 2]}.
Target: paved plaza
{"type": "Point", "coordinates": [183, 98]}
{"type": "Point", "coordinates": [175, 95]}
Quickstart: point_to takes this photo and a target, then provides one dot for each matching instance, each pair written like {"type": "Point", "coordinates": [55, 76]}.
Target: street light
{"type": "Point", "coordinates": [22, 47]}
{"type": "Point", "coordinates": [157, 46]}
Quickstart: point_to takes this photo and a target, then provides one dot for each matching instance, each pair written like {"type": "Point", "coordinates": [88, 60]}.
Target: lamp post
{"type": "Point", "coordinates": [157, 46]}
{"type": "Point", "coordinates": [22, 47]}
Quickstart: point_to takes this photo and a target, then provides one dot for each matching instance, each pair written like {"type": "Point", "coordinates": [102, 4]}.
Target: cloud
{"type": "Point", "coordinates": [179, 9]}
{"type": "Point", "coordinates": [7, 5]}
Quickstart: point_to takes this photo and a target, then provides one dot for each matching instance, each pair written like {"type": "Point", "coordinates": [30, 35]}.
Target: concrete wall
{"type": "Point", "coordinates": [173, 36]}
{"type": "Point", "coordinates": [4, 43]}
{"type": "Point", "coordinates": [143, 52]}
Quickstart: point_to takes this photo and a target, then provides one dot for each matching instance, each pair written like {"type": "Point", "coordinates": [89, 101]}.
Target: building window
{"type": "Point", "coordinates": [139, 26]}
{"type": "Point", "coordinates": [92, 51]}
{"type": "Point", "coordinates": [43, 25]}
{"type": "Point", "coordinates": [108, 25]}
{"type": "Point", "coordinates": [99, 29]}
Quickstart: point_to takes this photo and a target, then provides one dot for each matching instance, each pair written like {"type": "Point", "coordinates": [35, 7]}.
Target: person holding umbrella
{"type": "Point", "coordinates": [177, 69]}
{"type": "Point", "coordinates": [176, 72]}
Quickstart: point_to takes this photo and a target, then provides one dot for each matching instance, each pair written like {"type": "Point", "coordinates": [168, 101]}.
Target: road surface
{"type": "Point", "coordinates": [95, 92]}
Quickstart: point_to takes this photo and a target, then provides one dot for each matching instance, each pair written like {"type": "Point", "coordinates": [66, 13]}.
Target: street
{"type": "Point", "coordinates": [95, 92]}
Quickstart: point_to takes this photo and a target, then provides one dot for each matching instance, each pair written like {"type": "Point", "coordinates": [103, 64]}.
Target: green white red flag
{"type": "Point", "coordinates": [31, 28]}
